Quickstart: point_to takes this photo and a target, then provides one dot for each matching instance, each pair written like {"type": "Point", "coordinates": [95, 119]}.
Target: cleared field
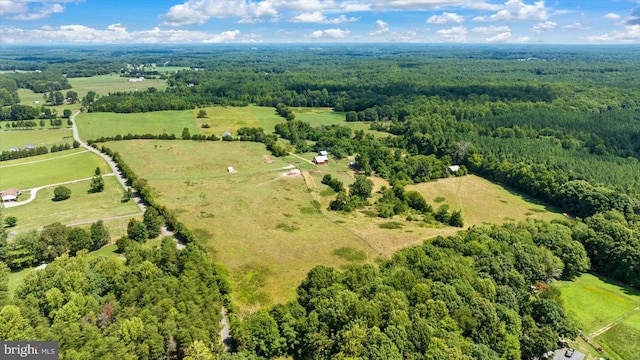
{"type": "Point", "coordinates": [221, 119]}
{"type": "Point", "coordinates": [105, 84]}
{"type": "Point", "coordinates": [326, 116]}
{"type": "Point", "coordinates": [483, 202]}
{"type": "Point", "coordinates": [259, 222]}
{"type": "Point", "coordinates": [98, 124]}
{"type": "Point", "coordinates": [38, 137]}
{"type": "Point", "coordinates": [598, 303]}
{"type": "Point", "coordinates": [32, 172]}
{"type": "Point", "coordinates": [80, 207]}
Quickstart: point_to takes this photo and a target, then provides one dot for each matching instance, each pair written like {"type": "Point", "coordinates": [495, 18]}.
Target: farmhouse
{"type": "Point", "coordinates": [14, 148]}
{"type": "Point", "coordinates": [10, 195]}
{"type": "Point", "coordinates": [320, 159]}
{"type": "Point", "coordinates": [29, 147]}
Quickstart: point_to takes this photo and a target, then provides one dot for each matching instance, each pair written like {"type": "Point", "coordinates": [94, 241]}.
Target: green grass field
{"type": "Point", "coordinates": [43, 210]}
{"type": "Point", "coordinates": [258, 222]}
{"type": "Point", "coordinates": [98, 124]}
{"type": "Point", "coordinates": [263, 225]}
{"type": "Point", "coordinates": [48, 169]}
{"type": "Point", "coordinates": [38, 137]}
{"type": "Point", "coordinates": [484, 202]}
{"type": "Point", "coordinates": [596, 303]}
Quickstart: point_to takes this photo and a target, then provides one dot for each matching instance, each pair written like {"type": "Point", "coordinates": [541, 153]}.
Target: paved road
{"type": "Point", "coordinates": [121, 179]}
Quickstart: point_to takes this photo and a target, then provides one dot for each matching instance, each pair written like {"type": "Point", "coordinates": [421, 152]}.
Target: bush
{"type": "Point", "coordinates": [61, 193]}
{"type": "Point", "coordinates": [10, 221]}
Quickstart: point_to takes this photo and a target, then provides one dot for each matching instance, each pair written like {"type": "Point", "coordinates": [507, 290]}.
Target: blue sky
{"type": "Point", "coordinates": [319, 21]}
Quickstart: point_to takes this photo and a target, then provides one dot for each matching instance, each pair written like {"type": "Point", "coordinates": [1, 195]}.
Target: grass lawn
{"type": "Point", "coordinates": [80, 207]}
{"type": "Point", "coordinates": [98, 124]}
{"type": "Point", "coordinates": [258, 222]}
{"type": "Point", "coordinates": [38, 137]}
{"type": "Point", "coordinates": [597, 302]}
{"type": "Point", "coordinates": [483, 202]}
{"type": "Point", "coordinates": [31, 172]}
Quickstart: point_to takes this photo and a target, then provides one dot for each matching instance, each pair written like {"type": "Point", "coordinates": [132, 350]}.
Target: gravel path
{"type": "Point", "coordinates": [135, 197]}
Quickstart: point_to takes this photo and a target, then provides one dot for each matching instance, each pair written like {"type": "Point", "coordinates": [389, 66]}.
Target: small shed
{"type": "Point", "coordinates": [231, 170]}
{"type": "Point", "coordinates": [320, 159]}
{"type": "Point", "coordinates": [14, 148]}
{"type": "Point", "coordinates": [10, 195]}
{"type": "Point", "coordinates": [454, 168]}
{"type": "Point", "coordinates": [323, 153]}
{"type": "Point", "coordinates": [29, 147]}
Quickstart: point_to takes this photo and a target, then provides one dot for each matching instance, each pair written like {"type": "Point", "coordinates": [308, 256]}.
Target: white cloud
{"type": "Point", "coordinates": [381, 28]}
{"type": "Point", "coordinates": [545, 26]}
{"type": "Point", "coordinates": [576, 26]}
{"type": "Point", "coordinates": [29, 10]}
{"type": "Point", "coordinates": [518, 10]}
{"type": "Point", "coordinates": [612, 16]}
{"type": "Point", "coordinates": [445, 18]}
{"type": "Point", "coordinates": [117, 34]}
{"type": "Point", "coordinates": [318, 18]}
{"type": "Point", "coordinates": [200, 11]}
{"type": "Point", "coordinates": [523, 39]}
{"type": "Point", "coordinates": [433, 4]}
{"type": "Point", "coordinates": [329, 34]}
{"type": "Point", "coordinates": [491, 29]}
{"type": "Point", "coordinates": [455, 34]}
{"type": "Point", "coordinates": [502, 37]}
{"type": "Point", "coordinates": [197, 12]}
{"type": "Point", "coordinates": [630, 34]}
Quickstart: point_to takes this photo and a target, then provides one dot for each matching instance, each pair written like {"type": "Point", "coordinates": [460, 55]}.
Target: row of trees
{"type": "Point", "coordinates": [33, 247]}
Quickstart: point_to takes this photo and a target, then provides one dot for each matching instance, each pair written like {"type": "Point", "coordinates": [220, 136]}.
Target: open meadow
{"type": "Point", "coordinates": [42, 170]}
{"type": "Point", "coordinates": [482, 201]}
{"type": "Point", "coordinates": [608, 313]}
{"type": "Point", "coordinates": [98, 124]}
{"type": "Point", "coordinates": [81, 207]}
{"type": "Point", "coordinates": [40, 137]}
{"type": "Point", "coordinates": [270, 226]}
{"type": "Point", "coordinates": [260, 221]}
{"type": "Point", "coordinates": [219, 119]}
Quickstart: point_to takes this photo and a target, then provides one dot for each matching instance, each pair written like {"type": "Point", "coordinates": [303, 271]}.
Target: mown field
{"type": "Point", "coordinates": [49, 169]}
{"type": "Point", "coordinates": [81, 207]}
{"type": "Point", "coordinates": [40, 137]}
{"type": "Point", "coordinates": [258, 222]}
{"type": "Point", "coordinates": [598, 303]}
{"type": "Point", "coordinates": [98, 124]}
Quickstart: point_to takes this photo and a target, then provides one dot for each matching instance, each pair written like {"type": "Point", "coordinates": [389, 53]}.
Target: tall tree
{"type": "Point", "coordinates": [97, 182]}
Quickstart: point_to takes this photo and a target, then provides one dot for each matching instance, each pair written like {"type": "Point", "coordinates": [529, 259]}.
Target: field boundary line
{"type": "Point", "coordinates": [614, 323]}
{"type": "Point", "coordinates": [43, 160]}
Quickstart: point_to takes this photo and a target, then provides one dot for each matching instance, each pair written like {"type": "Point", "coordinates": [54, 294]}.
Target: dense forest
{"type": "Point", "coordinates": [559, 124]}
